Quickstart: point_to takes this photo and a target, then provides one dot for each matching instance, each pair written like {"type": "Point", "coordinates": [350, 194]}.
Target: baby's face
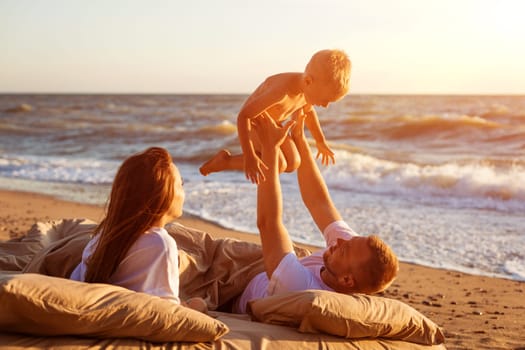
{"type": "Point", "coordinates": [322, 94]}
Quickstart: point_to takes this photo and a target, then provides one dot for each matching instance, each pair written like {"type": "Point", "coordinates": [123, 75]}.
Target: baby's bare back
{"type": "Point", "coordinates": [286, 95]}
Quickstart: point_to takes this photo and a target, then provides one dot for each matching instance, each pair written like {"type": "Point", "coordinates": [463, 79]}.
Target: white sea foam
{"type": "Point", "coordinates": [468, 185]}
{"type": "Point", "coordinates": [58, 169]}
{"type": "Point", "coordinates": [472, 185]}
{"type": "Point", "coordinates": [516, 268]}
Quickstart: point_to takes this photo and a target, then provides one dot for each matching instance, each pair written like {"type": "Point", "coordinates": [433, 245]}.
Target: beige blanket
{"type": "Point", "coordinates": [214, 269]}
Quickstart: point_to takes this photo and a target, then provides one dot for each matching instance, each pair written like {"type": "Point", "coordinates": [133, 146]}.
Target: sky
{"type": "Point", "coordinates": [231, 46]}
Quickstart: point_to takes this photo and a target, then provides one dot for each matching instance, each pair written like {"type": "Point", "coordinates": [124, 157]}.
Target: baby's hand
{"type": "Point", "coordinates": [326, 154]}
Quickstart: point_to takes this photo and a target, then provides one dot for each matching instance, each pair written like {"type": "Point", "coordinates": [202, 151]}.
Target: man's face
{"type": "Point", "coordinates": [346, 256]}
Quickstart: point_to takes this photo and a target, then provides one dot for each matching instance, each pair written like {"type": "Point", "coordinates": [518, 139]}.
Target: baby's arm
{"type": "Point", "coordinates": [313, 125]}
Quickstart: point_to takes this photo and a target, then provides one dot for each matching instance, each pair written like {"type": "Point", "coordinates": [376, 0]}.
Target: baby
{"type": "Point", "coordinates": [325, 80]}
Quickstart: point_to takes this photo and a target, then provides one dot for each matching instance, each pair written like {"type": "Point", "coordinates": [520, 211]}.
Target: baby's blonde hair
{"type": "Point", "coordinates": [331, 66]}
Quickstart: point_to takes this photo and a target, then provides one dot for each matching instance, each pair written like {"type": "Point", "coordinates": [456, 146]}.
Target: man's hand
{"type": "Point", "coordinates": [298, 128]}
{"type": "Point", "coordinates": [253, 168]}
{"type": "Point", "coordinates": [270, 134]}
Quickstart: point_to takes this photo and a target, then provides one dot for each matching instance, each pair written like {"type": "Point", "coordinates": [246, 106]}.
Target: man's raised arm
{"type": "Point", "coordinates": [311, 183]}
{"type": "Point", "coordinates": [275, 240]}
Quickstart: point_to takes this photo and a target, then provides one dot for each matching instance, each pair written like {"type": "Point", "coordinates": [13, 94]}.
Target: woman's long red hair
{"type": "Point", "coordinates": [142, 192]}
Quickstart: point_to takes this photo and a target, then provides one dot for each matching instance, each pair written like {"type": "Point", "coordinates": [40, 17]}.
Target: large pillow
{"type": "Point", "coordinates": [43, 305]}
{"type": "Point", "coordinates": [349, 316]}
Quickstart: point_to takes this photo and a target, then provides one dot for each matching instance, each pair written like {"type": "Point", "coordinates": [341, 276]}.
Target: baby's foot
{"type": "Point", "coordinates": [216, 163]}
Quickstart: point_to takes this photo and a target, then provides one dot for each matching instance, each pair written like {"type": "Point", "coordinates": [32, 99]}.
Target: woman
{"type": "Point", "coordinates": [130, 247]}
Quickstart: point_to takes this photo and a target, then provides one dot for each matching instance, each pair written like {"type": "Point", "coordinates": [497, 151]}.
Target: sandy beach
{"type": "Point", "coordinates": [476, 312]}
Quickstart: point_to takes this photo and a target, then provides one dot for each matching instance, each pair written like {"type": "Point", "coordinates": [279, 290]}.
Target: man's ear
{"type": "Point", "coordinates": [347, 281]}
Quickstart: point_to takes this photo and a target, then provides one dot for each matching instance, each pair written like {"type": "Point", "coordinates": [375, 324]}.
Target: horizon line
{"type": "Point", "coordinates": [248, 93]}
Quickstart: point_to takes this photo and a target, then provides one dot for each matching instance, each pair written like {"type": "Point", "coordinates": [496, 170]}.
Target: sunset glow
{"type": "Point", "coordinates": [407, 46]}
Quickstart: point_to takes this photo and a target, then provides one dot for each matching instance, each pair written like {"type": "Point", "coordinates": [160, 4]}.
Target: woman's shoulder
{"type": "Point", "coordinates": [156, 237]}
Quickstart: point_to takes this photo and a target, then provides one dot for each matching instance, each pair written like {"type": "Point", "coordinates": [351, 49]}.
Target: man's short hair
{"type": "Point", "coordinates": [381, 269]}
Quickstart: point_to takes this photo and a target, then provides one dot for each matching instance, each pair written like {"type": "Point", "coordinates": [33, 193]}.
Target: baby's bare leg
{"type": "Point", "coordinates": [222, 160]}
{"type": "Point", "coordinates": [291, 155]}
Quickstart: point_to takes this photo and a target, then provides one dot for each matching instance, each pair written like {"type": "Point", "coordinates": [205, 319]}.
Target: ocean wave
{"type": "Point", "coordinates": [21, 108]}
{"type": "Point", "coordinates": [225, 127]}
{"type": "Point", "coordinates": [429, 126]}
{"type": "Point", "coordinates": [502, 112]}
{"type": "Point", "coordinates": [10, 129]}
{"type": "Point", "coordinates": [58, 169]}
{"type": "Point", "coordinates": [478, 184]}
{"type": "Point", "coordinates": [488, 183]}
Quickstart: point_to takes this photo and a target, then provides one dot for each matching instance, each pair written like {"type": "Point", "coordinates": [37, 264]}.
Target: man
{"type": "Point", "coordinates": [350, 263]}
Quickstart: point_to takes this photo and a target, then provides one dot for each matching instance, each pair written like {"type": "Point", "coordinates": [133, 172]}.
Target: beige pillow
{"type": "Point", "coordinates": [349, 316]}
{"type": "Point", "coordinates": [43, 305]}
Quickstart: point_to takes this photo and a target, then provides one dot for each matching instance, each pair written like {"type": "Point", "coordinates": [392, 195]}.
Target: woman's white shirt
{"type": "Point", "coordinates": [150, 266]}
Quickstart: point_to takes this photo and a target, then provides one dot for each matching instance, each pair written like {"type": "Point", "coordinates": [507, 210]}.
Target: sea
{"type": "Point", "coordinates": [440, 178]}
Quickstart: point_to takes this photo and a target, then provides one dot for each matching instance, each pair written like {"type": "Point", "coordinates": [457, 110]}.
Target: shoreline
{"type": "Point", "coordinates": [476, 312]}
